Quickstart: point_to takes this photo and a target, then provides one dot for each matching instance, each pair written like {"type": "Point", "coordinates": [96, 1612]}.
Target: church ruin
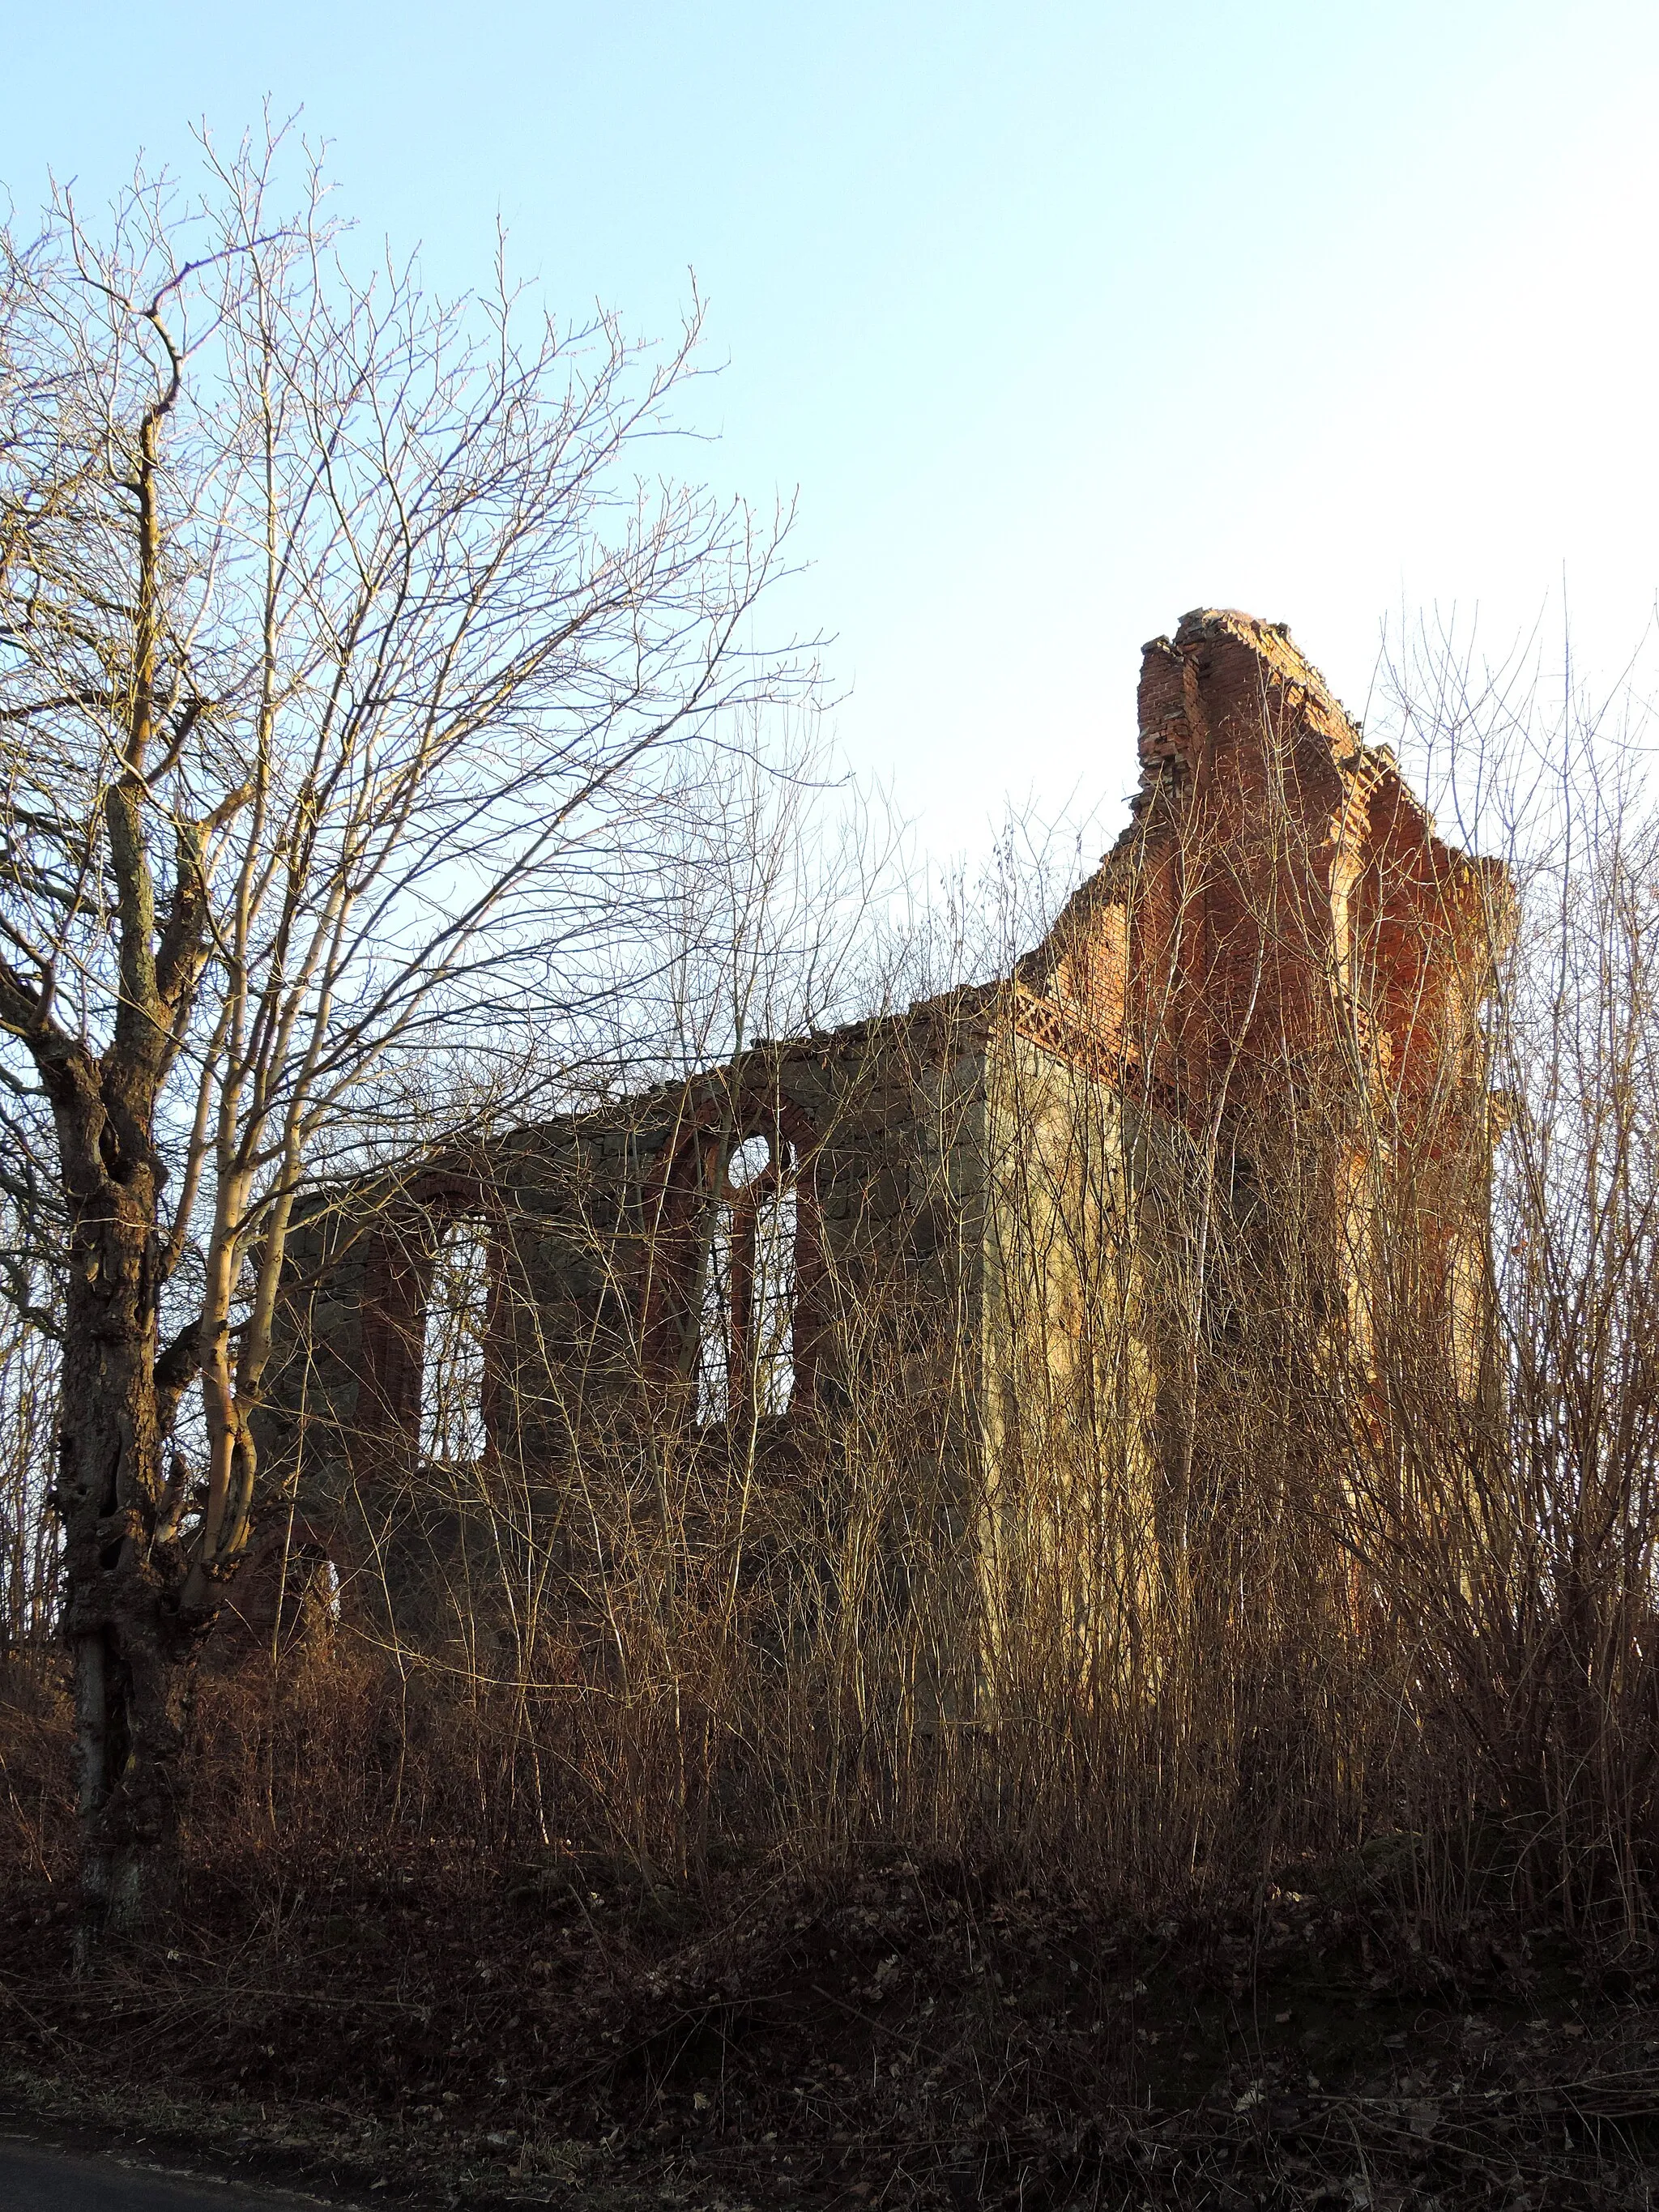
{"type": "Point", "coordinates": [996, 1255]}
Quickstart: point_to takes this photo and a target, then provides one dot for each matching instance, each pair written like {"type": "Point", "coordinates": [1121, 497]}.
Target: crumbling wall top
{"type": "Point", "coordinates": [1266, 839]}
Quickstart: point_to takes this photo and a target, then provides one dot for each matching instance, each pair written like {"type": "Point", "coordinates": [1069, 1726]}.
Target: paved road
{"type": "Point", "coordinates": [41, 2178]}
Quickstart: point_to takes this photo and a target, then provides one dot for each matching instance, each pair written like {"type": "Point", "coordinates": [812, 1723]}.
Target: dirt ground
{"type": "Point", "coordinates": [570, 2030]}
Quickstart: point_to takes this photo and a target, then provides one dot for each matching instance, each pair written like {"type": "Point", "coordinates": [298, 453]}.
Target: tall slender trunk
{"type": "Point", "coordinates": [130, 1649]}
{"type": "Point", "coordinates": [124, 1565]}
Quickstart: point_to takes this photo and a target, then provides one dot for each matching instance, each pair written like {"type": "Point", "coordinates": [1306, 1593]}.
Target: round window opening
{"type": "Point", "coordinates": [749, 1162]}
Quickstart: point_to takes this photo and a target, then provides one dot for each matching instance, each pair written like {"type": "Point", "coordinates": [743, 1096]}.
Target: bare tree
{"type": "Point", "coordinates": [339, 628]}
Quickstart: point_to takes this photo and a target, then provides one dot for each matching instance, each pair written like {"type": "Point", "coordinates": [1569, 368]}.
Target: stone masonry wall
{"type": "Point", "coordinates": [1262, 1008]}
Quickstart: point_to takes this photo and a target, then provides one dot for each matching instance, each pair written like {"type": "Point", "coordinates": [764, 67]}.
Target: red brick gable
{"type": "Point", "coordinates": [1279, 890]}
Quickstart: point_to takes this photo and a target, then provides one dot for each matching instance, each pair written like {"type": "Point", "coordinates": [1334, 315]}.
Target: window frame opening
{"type": "Point", "coordinates": [456, 1434]}
{"type": "Point", "coordinates": [743, 1310]}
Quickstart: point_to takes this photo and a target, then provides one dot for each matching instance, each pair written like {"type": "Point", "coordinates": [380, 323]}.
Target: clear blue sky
{"type": "Point", "coordinates": [1063, 319]}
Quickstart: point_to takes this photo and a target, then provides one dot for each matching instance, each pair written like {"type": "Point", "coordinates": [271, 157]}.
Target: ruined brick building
{"type": "Point", "coordinates": [985, 1248]}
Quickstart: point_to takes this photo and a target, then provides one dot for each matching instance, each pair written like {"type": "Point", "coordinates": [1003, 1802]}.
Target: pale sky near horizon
{"type": "Point", "coordinates": [1061, 321]}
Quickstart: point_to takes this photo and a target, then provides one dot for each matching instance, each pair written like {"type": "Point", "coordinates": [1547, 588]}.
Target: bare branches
{"type": "Point", "coordinates": [336, 622]}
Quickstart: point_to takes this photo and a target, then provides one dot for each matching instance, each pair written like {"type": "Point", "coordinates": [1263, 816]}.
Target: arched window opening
{"type": "Point", "coordinates": [746, 1314]}
{"type": "Point", "coordinates": [454, 1357]}
{"type": "Point", "coordinates": [772, 1300]}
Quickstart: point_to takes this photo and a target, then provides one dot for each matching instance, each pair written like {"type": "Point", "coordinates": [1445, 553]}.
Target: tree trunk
{"type": "Point", "coordinates": [132, 1648]}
